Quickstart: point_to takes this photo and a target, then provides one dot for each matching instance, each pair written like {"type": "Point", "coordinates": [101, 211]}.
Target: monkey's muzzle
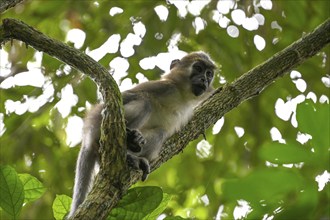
{"type": "Point", "coordinates": [199, 89]}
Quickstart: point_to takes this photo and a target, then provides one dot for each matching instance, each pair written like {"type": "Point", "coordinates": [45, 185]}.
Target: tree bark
{"type": "Point", "coordinates": [6, 4]}
{"type": "Point", "coordinates": [113, 135]}
{"type": "Point", "coordinates": [250, 84]}
{"type": "Point", "coordinates": [112, 183]}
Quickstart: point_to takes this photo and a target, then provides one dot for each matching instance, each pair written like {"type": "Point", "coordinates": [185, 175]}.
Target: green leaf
{"type": "Point", "coordinates": [137, 203]}
{"type": "Point", "coordinates": [174, 218]}
{"type": "Point", "coordinates": [278, 153]}
{"type": "Point", "coordinates": [11, 191]}
{"type": "Point", "coordinates": [61, 206]}
{"type": "Point", "coordinates": [33, 188]}
{"type": "Point", "coordinates": [270, 185]}
{"type": "Point", "coordinates": [314, 120]}
{"type": "Point", "coordinates": [160, 208]}
{"type": "Point", "coordinates": [304, 204]}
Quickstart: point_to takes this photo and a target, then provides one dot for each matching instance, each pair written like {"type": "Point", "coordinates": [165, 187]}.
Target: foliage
{"type": "Point", "coordinates": [16, 189]}
{"type": "Point", "coordinates": [279, 190]}
{"type": "Point", "coordinates": [242, 163]}
{"type": "Point", "coordinates": [61, 206]}
{"type": "Point", "coordinates": [12, 193]}
{"type": "Point", "coordinates": [141, 203]}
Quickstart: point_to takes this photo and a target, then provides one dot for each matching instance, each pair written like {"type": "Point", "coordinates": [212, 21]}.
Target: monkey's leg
{"type": "Point", "coordinates": [150, 150]}
{"type": "Point", "coordinates": [139, 163]}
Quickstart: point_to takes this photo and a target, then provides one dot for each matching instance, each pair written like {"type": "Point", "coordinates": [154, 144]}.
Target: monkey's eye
{"type": "Point", "coordinates": [198, 68]}
{"type": "Point", "coordinates": [209, 73]}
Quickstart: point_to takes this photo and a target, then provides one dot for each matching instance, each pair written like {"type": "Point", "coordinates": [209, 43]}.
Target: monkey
{"type": "Point", "coordinates": [153, 111]}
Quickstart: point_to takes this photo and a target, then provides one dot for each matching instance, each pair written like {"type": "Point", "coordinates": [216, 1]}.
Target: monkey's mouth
{"type": "Point", "coordinates": [198, 89]}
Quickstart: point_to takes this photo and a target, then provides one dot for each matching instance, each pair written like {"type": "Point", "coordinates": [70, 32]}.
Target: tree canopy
{"type": "Point", "coordinates": [266, 159]}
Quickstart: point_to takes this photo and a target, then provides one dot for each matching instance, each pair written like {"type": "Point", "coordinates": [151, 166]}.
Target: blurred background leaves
{"type": "Point", "coordinates": [263, 157]}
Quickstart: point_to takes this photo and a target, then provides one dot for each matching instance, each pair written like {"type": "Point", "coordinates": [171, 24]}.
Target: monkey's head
{"type": "Point", "coordinates": [198, 68]}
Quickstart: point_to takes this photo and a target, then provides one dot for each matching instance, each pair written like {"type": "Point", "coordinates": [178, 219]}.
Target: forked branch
{"type": "Point", "coordinates": [105, 193]}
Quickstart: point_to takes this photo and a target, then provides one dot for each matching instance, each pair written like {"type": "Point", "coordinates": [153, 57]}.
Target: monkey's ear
{"type": "Point", "coordinates": [174, 63]}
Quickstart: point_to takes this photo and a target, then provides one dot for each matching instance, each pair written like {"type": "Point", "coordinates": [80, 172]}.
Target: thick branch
{"type": "Point", "coordinates": [247, 86]}
{"type": "Point", "coordinates": [6, 4]}
{"type": "Point", "coordinates": [114, 155]}
{"type": "Point", "coordinates": [223, 100]}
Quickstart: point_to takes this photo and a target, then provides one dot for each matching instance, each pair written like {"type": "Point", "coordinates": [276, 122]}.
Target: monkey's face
{"type": "Point", "coordinates": [201, 77]}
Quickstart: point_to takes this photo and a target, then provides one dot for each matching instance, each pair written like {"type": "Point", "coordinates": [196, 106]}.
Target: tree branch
{"type": "Point", "coordinates": [105, 194]}
{"type": "Point", "coordinates": [113, 126]}
{"type": "Point", "coordinates": [6, 4]}
{"type": "Point", "coordinates": [247, 86]}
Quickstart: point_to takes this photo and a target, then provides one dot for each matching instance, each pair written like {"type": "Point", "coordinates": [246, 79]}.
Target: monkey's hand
{"type": "Point", "coordinates": [139, 163]}
{"type": "Point", "coordinates": [135, 140]}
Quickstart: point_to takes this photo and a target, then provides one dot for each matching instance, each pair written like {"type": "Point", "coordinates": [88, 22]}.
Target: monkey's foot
{"type": "Point", "coordinates": [135, 140]}
{"type": "Point", "coordinates": [139, 163]}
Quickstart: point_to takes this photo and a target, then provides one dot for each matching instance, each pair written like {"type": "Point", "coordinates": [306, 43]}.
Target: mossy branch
{"type": "Point", "coordinates": [111, 184]}
{"type": "Point", "coordinates": [247, 86]}
{"type": "Point", "coordinates": [113, 126]}
{"type": "Point", "coordinates": [6, 4]}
